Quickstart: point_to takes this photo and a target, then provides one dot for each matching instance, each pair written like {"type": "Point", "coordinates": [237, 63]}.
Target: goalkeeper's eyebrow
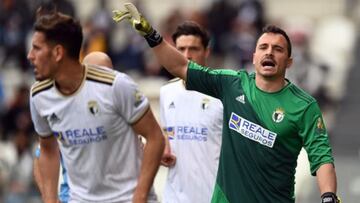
{"type": "Point", "coordinates": [275, 47]}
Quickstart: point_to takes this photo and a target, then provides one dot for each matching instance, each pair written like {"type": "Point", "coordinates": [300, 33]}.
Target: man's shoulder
{"type": "Point", "coordinates": [175, 82]}
{"type": "Point", "coordinates": [101, 74]}
{"type": "Point", "coordinates": [41, 86]}
{"type": "Point", "coordinates": [301, 95]}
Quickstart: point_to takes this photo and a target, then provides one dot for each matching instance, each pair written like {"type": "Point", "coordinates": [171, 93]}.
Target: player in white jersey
{"type": "Point", "coordinates": [93, 115]}
{"type": "Point", "coordinates": [193, 124]}
{"type": "Point", "coordinates": [93, 58]}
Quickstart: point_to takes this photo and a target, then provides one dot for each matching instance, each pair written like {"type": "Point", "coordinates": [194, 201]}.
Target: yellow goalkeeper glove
{"type": "Point", "coordinates": [139, 23]}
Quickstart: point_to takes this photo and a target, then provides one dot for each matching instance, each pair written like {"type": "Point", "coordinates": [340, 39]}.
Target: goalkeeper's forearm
{"type": "Point", "coordinates": [326, 177]}
{"type": "Point", "coordinates": [171, 59]}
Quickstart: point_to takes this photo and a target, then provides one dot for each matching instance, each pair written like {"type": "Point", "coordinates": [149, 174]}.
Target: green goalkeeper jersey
{"type": "Point", "coordinates": [263, 134]}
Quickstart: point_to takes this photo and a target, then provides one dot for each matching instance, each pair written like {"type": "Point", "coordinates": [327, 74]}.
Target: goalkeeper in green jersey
{"type": "Point", "coordinates": [267, 119]}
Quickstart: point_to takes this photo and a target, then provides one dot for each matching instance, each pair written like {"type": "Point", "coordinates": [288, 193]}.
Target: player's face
{"type": "Point", "coordinates": [41, 57]}
{"type": "Point", "coordinates": [190, 46]}
{"type": "Point", "coordinates": [271, 56]}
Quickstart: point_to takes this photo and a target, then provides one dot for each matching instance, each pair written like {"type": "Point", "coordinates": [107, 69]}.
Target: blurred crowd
{"type": "Point", "coordinates": [321, 63]}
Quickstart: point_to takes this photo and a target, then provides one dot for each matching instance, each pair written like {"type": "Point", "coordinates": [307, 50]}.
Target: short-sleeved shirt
{"type": "Point", "coordinates": [99, 148]}
{"type": "Point", "coordinates": [193, 123]}
{"type": "Point", "coordinates": [263, 134]}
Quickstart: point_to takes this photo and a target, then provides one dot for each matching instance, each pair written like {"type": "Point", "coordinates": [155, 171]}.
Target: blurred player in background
{"type": "Point", "coordinates": [93, 116]}
{"type": "Point", "coordinates": [98, 58]}
{"type": "Point", "coordinates": [267, 119]}
{"type": "Point", "coordinates": [193, 123]}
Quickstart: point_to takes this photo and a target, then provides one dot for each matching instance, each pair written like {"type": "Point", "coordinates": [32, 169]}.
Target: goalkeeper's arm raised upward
{"type": "Point", "coordinates": [167, 55]}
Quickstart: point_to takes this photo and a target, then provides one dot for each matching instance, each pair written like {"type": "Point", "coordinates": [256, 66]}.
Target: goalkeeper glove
{"type": "Point", "coordinates": [140, 24]}
{"type": "Point", "coordinates": [329, 197]}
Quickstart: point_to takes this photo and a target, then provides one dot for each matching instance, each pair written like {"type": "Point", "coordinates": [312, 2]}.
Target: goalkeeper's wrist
{"type": "Point", "coordinates": [153, 38]}
{"type": "Point", "coordinates": [329, 197]}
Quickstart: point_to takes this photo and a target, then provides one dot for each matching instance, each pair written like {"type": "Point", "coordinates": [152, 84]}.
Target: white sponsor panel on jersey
{"type": "Point", "coordinates": [252, 130]}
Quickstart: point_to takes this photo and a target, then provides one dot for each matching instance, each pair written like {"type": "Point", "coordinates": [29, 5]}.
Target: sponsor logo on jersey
{"type": "Point", "coordinates": [241, 98]}
{"type": "Point", "coordinates": [190, 133]}
{"type": "Point", "coordinates": [252, 130]}
{"type": "Point", "coordinates": [205, 103]}
{"type": "Point", "coordinates": [93, 107]}
{"type": "Point", "coordinates": [82, 136]}
{"type": "Point", "coordinates": [170, 132]}
{"type": "Point", "coordinates": [278, 115]}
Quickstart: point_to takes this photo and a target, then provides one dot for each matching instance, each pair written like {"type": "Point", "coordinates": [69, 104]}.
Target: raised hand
{"type": "Point", "coordinates": [139, 23]}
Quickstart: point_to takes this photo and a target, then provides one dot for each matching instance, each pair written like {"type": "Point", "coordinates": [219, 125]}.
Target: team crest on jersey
{"type": "Point", "coordinates": [139, 97]}
{"type": "Point", "coordinates": [320, 127]}
{"type": "Point", "coordinates": [93, 107]}
{"type": "Point", "coordinates": [278, 115]}
{"type": "Point", "coordinates": [205, 103]}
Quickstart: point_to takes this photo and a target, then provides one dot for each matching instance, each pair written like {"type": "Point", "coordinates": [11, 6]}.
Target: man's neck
{"type": "Point", "coordinates": [70, 78]}
{"type": "Point", "coordinates": [268, 85]}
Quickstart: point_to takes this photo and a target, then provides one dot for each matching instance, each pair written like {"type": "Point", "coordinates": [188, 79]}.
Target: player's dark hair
{"type": "Point", "coordinates": [276, 30]}
{"type": "Point", "coordinates": [192, 28]}
{"type": "Point", "coordinates": [62, 29]}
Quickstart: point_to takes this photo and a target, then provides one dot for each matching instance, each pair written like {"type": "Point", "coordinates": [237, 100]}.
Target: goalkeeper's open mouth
{"type": "Point", "coordinates": [268, 63]}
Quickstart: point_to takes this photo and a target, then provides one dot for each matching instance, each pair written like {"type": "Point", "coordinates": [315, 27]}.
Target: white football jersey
{"type": "Point", "coordinates": [193, 123]}
{"type": "Point", "coordinates": [100, 150]}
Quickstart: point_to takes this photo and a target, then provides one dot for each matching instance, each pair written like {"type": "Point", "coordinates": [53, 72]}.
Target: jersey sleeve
{"type": "Point", "coordinates": [209, 81]}
{"type": "Point", "coordinates": [129, 101]}
{"type": "Point", "coordinates": [315, 138]}
{"type": "Point", "coordinates": [41, 124]}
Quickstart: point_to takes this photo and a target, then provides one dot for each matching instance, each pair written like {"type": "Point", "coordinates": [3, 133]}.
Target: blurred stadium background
{"type": "Point", "coordinates": [326, 48]}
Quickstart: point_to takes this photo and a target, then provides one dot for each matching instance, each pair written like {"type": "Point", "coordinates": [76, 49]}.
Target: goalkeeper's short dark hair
{"type": "Point", "coordinates": [277, 30]}
{"type": "Point", "coordinates": [192, 28]}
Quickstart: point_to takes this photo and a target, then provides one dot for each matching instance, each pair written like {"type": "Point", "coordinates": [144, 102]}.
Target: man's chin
{"type": "Point", "coordinates": [268, 75]}
{"type": "Point", "coordinates": [40, 78]}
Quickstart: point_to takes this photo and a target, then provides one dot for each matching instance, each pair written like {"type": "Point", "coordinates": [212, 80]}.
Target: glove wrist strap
{"type": "Point", "coordinates": [153, 38]}
{"type": "Point", "coordinates": [329, 197]}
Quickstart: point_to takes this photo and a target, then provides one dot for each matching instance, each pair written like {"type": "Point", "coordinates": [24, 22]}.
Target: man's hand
{"type": "Point", "coordinates": [168, 160]}
{"type": "Point", "coordinates": [136, 19]}
{"type": "Point", "coordinates": [138, 22]}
